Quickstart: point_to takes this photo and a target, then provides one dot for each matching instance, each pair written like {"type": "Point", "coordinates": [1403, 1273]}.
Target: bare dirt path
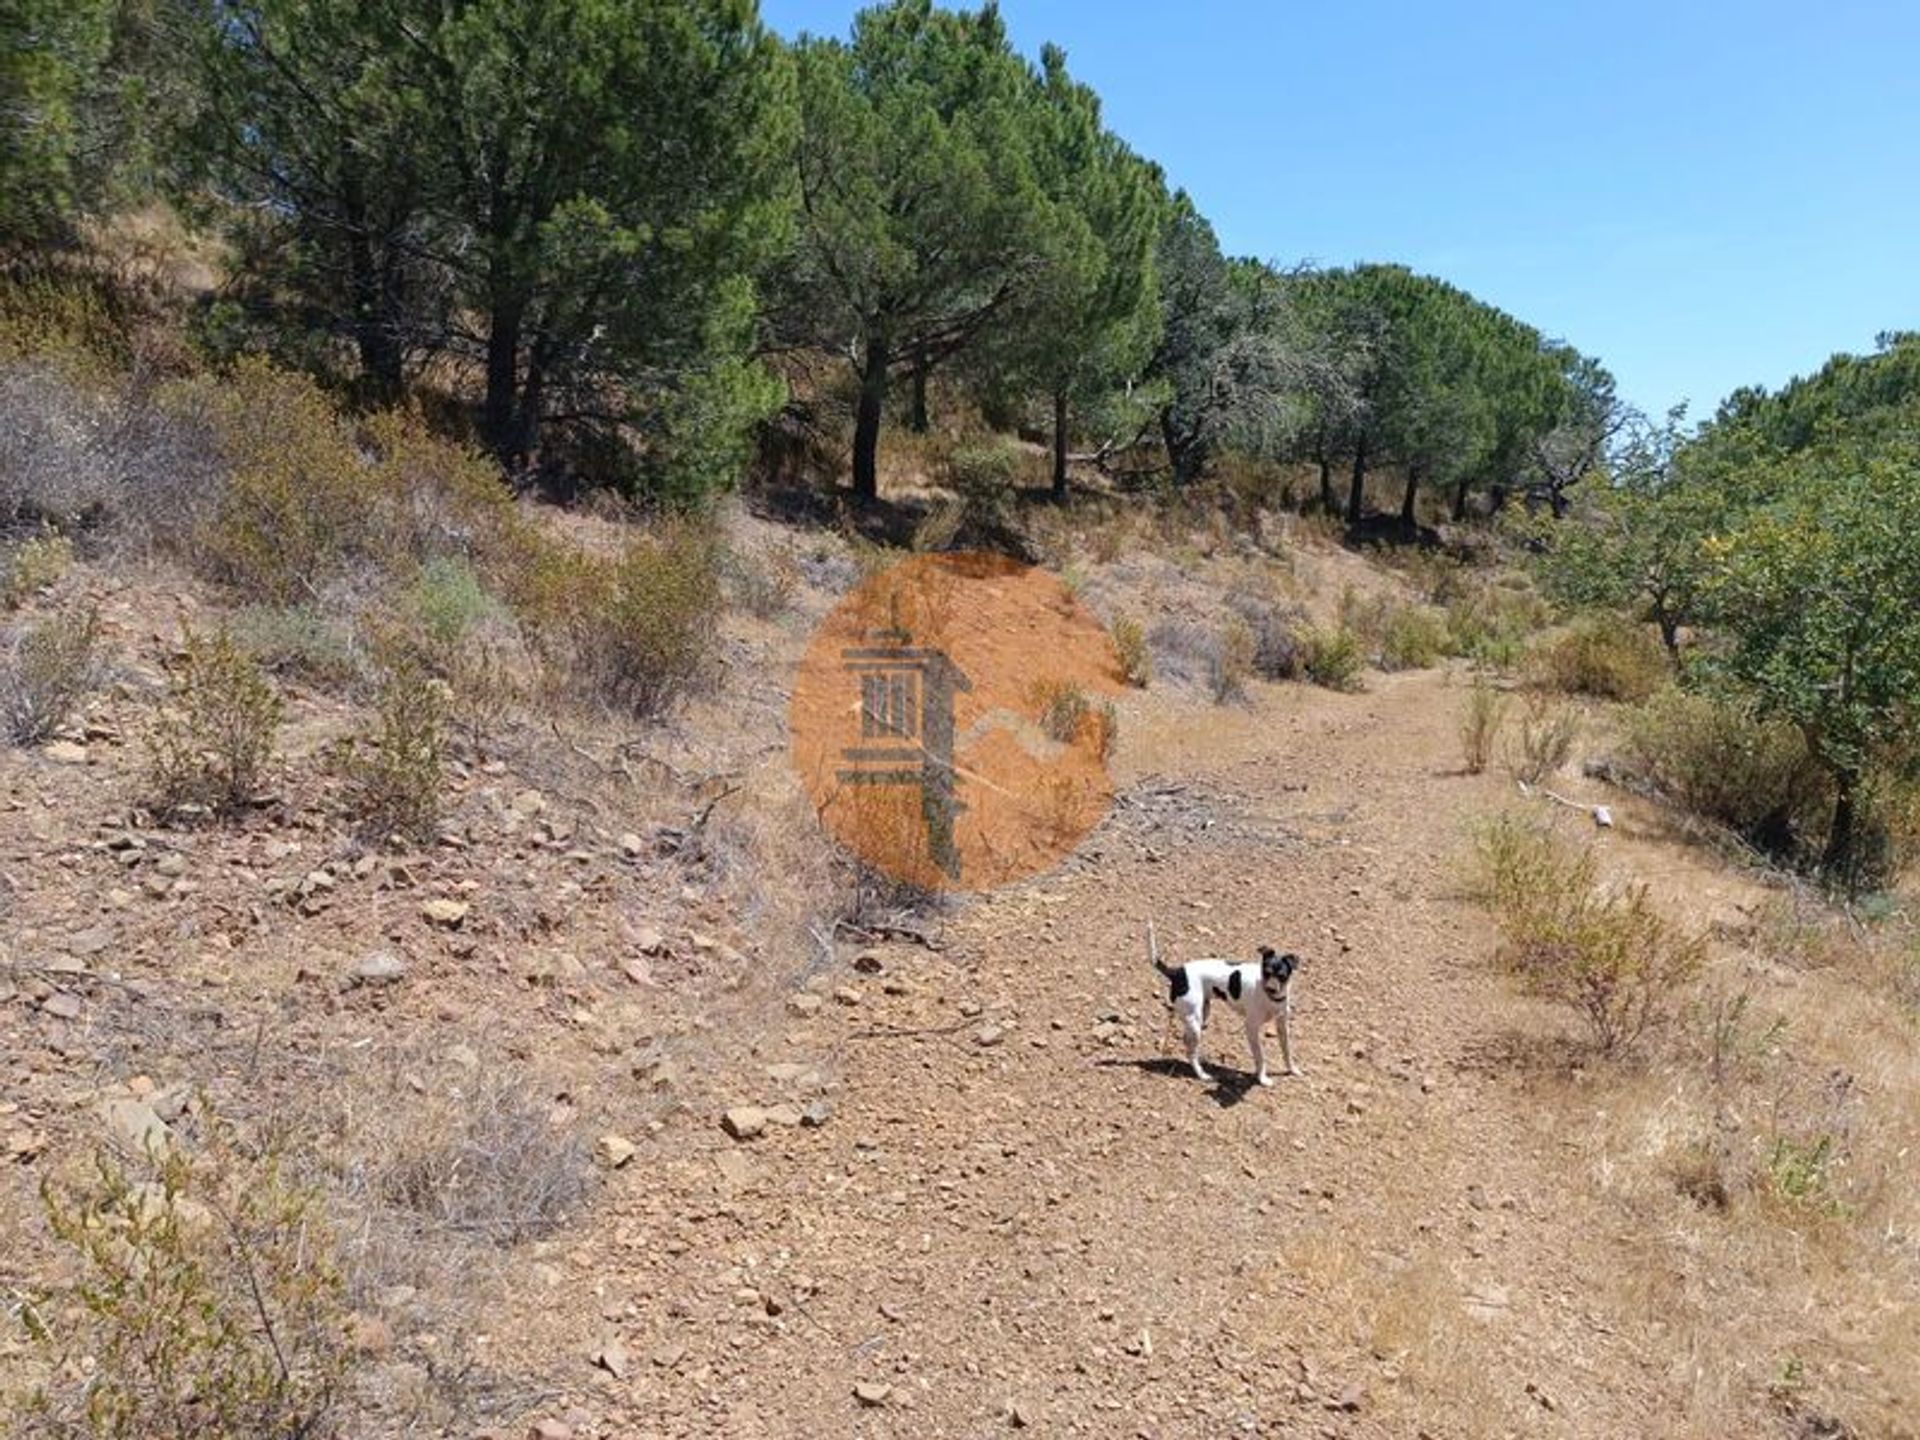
{"type": "Point", "coordinates": [1020, 1215]}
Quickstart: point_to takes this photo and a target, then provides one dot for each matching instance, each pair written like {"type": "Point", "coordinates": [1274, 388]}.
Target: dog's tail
{"type": "Point", "coordinates": [1153, 952]}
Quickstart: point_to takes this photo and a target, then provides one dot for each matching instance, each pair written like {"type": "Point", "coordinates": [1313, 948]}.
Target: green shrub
{"type": "Point", "coordinates": [1130, 645]}
{"type": "Point", "coordinates": [1412, 638]}
{"type": "Point", "coordinates": [644, 629]}
{"type": "Point", "coordinates": [1482, 713]}
{"type": "Point", "coordinates": [1491, 623]}
{"type": "Point", "coordinates": [1609, 957]}
{"type": "Point", "coordinates": [211, 743]}
{"type": "Point", "coordinates": [1721, 761]}
{"type": "Point", "coordinates": [32, 566]}
{"type": "Point", "coordinates": [396, 771]}
{"type": "Point", "coordinates": [303, 642]}
{"type": "Point", "coordinates": [46, 670]}
{"type": "Point", "coordinates": [1604, 655]}
{"type": "Point", "coordinates": [447, 600]}
{"type": "Point", "coordinates": [209, 1305]}
{"type": "Point", "coordinates": [1333, 658]}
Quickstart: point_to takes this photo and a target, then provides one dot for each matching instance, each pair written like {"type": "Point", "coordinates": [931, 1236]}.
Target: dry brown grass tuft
{"type": "Point", "coordinates": [211, 743]}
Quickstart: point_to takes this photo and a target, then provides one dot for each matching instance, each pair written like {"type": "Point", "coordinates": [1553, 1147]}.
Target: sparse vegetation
{"type": "Point", "coordinates": [1333, 658]}
{"type": "Point", "coordinates": [210, 745]}
{"type": "Point", "coordinates": [1277, 648]}
{"type": "Point", "coordinates": [1483, 710]}
{"type": "Point", "coordinates": [46, 669]}
{"type": "Point", "coordinates": [1608, 956]}
{"type": "Point", "coordinates": [32, 566]}
{"type": "Point", "coordinates": [1545, 738]}
{"type": "Point", "coordinates": [397, 771]}
{"type": "Point", "coordinates": [207, 1304]}
{"type": "Point", "coordinates": [1130, 645]}
{"type": "Point", "coordinates": [1231, 663]}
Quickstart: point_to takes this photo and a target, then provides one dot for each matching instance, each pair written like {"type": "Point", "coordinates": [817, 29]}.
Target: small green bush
{"type": "Point", "coordinates": [1412, 638]}
{"type": "Point", "coordinates": [1333, 658]}
{"type": "Point", "coordinates": [210, 745]}
{"type": "Point", "coordinates": [46, 670]}
{"type": "Point", "coordinates": [1608, 956]}
{"type": "Point", "coordinates": [33, 565]}
{"type": "Point", "coordinates": [1721, 761]}
{"type": "Point", "coordinates": [396, 771]}
{"type": "Point", "coordinates": [302, 642]}
{"type": "Point", "coordinates": [644, 631]}
{"type": "Point", "coordinates": [447, 600]}
{"type": "Point", "coordinates": [1606, 656]}
{"type": "Point", "coordinates": [208, 1302]}
{"type": "Point", "coordinates": [1062, 707]}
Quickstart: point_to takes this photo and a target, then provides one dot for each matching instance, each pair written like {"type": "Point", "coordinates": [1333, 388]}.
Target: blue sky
{"type": "Point", "coordinates": [1704, 195]}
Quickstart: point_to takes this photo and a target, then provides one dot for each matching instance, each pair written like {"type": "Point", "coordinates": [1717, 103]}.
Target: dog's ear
{"type": "Point", "coordinates": [1266, 953]}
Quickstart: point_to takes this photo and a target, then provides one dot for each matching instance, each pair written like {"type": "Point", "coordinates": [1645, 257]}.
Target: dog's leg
{"type": "Point", "coordinates": [1286, 1034]}
{"type": "Point", "coordinates": [1195, 1019]}
{"type": "Point", "coordinates": [1254, 1027]}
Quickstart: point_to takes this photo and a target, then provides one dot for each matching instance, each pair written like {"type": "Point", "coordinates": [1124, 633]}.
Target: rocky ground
{"type": "Point", "coordinates": [887, 1187]}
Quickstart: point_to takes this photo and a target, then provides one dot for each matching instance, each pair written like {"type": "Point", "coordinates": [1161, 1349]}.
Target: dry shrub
{"type": "Point", "coordinates": [1276, 634]}
{"type": "Point", "coordinates": [396, 771]}
{"type": "Point", "coordinates": [1130, 646]}
{"type": "Point", "coordinates": [1604, 655]}
{"type": "Point", "coordinates": [1546, 738]}
{"type": "Point", "coordinates": [638, 631]}
{"type": "Point", "coordinates": [1400, 636]}
{"type": "Point", "coordinates": [1231, 664]}
{"type": "Point", "coordinates": [1721, 761]}
{"type": "Point", "coordinates": [47, 669]}
{"type": "Point", "coordinates": [207, 1301]}
{"type": "Point", "coordinates": [1333, 658]}
{"type": "Point", "coordinates": [32, 566]}
{"type": "Point", "coordinates": [979, 516]}
{"type": "Point", "coordinates": [210, 745]}
{"type": "Point", "coordinates": [764, 585]}
{"type": "Point", "coordinates": [1063, 707]}
{"type": "Point", "coordinates": [304, 499]}
{"type": "Point", "coordinates": [1482, 712]}
{"type": "Point", "coordinates": [489, 1164]}
{"type": "Point", "coordinates": [1609, 957]}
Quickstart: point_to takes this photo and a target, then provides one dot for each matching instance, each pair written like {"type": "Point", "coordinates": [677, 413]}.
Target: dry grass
{"type": "Point", "coordinates": [1605, 954]}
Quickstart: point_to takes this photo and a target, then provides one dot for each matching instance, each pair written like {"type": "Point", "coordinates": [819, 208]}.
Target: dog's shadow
{"type": "Point", "coordinates": [1228, 1087]}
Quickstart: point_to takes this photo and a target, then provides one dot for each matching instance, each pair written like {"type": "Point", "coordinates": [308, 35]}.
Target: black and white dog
{"type": "Point", "coordinates": [1261, 988]}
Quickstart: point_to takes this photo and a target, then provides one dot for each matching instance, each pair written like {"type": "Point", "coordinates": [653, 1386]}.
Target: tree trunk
{"type": "Point", "coordinates": [1060, 446]}
{"type": "Point", "coordinates": [1460, 500]}
{"type": "Point", "coordinates": [1328, 504]}
{"type": "Point", "coordinates": [1407, 498]}
{"type": "Point", "coordinates": [1669, 635]}
{"type": "Point", "coordinates": [503, 381]}
{"type": "Point", "coordinates": [917, 416]}
{"type": "Point", "coordinates": [866, 422]}
{"type": "Point", "coordinates": [1838, 861]}
{"type": "Point", "coordinates": [376, 331]}
{"type": "Point", "coordinates": [1356, 492]}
